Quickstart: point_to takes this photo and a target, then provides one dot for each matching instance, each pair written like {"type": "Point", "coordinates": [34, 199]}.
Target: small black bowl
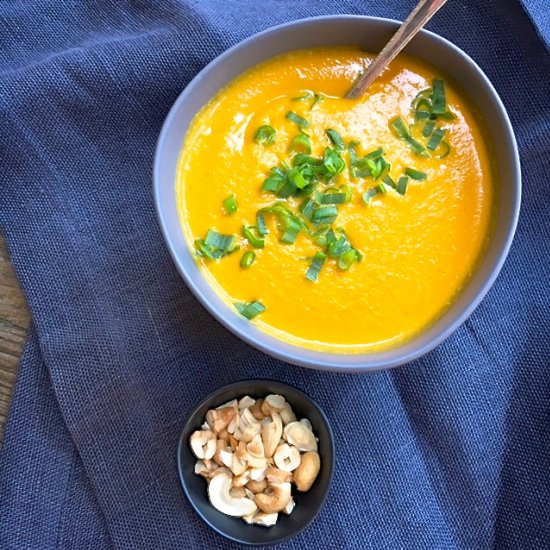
{"type": "Point", "coordinates": [308, 505]}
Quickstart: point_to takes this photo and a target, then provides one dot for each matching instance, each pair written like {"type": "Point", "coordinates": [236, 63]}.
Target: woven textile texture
{"type": "Point", "coordinates": [452, 451]}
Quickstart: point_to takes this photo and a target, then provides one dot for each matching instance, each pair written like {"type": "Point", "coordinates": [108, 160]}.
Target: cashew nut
{"type": "Point", "coordinates": [256, 448]}
{"type": "Point", "coordinates": [242, 480]}
{"type": "Point", "coordinates": [275, 499]}
{"type": "Point", "coordinates": [307, 472]}
{"type": "Point", "coordinates": [299, 435]}
{"type": "Point", "coordinates": [272, 430]}
{"type": "Point", "coordinates": [246, 402]}
{"type": "Point", "coordinates": [287, 458]}
{"type": "Point", "coordinates": [256, 410]}
{"type": "Point", "coordinates": [219, 493]}
{"type": "Point", "coordinates": [203, 443]}
{"type": "Point", "coordinates": [218, 419]}
{"type": "Point", "coordinates": [273, 403]}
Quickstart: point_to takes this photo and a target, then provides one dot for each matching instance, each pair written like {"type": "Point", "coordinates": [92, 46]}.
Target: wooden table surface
{"type": "Point", "coordinates": [14, 323]}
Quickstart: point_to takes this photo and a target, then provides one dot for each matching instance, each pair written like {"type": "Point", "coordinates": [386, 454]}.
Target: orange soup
{"type": "Point", "coordinates": [336, 224]}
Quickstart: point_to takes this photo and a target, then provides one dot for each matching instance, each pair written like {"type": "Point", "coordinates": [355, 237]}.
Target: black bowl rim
{"type": "Point", "coordinates": [182, 442]}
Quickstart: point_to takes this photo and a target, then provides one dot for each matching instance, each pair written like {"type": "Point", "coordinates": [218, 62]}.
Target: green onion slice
{"type": "Point", "coordinates": [335, 139]}
{"type": "Point", "coordinates": [254, 240]}
{"type": "Point", "coordinates": [247, 259]}
{"type": "Point", "coordinates": [301, 144]}
{"type": "Point", "coordinates": [428, 128]}
{"type": "Point", "coordinates": [400, 129]}
{"type": "Point", "coordinates": [436, 138]}
{"type": "Point", "coordinates": [230, 205]}
{"type": "Point", "coordinates": [260, 224]}
{"type": "Point", "coordinates": [307, 208]}
{"type": "Point", "coordinates": [265, 135]}
{"type": "Point", "coordinates": [333, 162]}
{"type": "Point", "coordinates": [368, 195]}
{"type": "Point", "coordinates": [439, 102]}
{"type": "Point", "coordinates": [324, 215]}
{"type": "Point", "coordinates": [250, 309]}
{"type": "Point", "coordinates": [312, 274]}
{"type": "Point", "coordinates": [217, 241]}
{"type": "Point", "coordinates": [346, 259]}
{"type": "Point", "coordinates": [333, 198]}
{"type": "Point", "coordinates": [402, 185]}
{"type": "Point", "coordinates": [297, 119]}
{"type": "Point", "coordinates": [417, 175]}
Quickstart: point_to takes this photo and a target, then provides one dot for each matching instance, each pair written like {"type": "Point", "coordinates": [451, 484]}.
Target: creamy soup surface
{"type": "Point", "coordinates": [415, 217]}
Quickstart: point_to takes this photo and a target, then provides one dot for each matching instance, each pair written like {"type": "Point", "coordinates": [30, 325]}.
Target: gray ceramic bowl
{"type": "Point", "coordinates": [371, 34]}
{"type": "Point", "coordinates": [308, 504]}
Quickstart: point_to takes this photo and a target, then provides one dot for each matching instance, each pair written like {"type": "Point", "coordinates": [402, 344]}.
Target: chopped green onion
{"type": "Point", "coordinates": [307, 208]}
{"type": "Point", "coordinates": [324, 215]}
{"type": "Point", "coordinates": [416, 174]}
{"type": "Point", "coordinates": [402, 185]}
{"type": "Point", "coordinates": [346, 259]}
{"type": "Point", "coordinates": [292, 229]}
{"type": "Point", "coordinates": [317, 263]}
{"type": "Point", "coordinates": [303, 97]}
{"type": "Point", "coordinates": [265, 134]}
{"type": "Point", "coordinates": [348, 191]}
{"type": "Point", "coordinates": [376, 154]}
{"type": "Point", "coordinates": [317, 98]}
{"type": "Point", "coordinates": [297, 119]}
{"type": "Point", "coordinates": [296, 176]}
{"type": "Point", "coordinates": [389, 181]}
{"type": "Point", "coordinates": [260, 224]}
{"type": "Point", "coordinates": [333, 198]}
{"type": "Point", "coordinates": [250, 309]}
{"type": "Point", "coordinates": [436, 138]}
{"type": "Point", "coordinates": [335, 139]}
{"type": "Point", "coordinates": [230, 205]}
{"type": "Point", "coordinates": [381, 188]}
{"type": "Point", "coordinates": [439, 103]}
{"type": "Point", "coordinates": [206, 251]}
{"type": "Point", "coordinates": [422, 115]}
{"type": "Point", "coordinates": [428, 128]}
{"type": "Point", "coordinates": [247, 259]}
{"type": "Point", "coordinates": [368, 195]}
{"type": "Point", "coordinates": [300, 144]}
{"type": "Point", "coordinates": [217, 241]}
{"type": "Point", "coordinates": [400, 130]}
{"type": "Point", "coordinates": [333, 162]}
{"type": "Point", "coordinates": [337, 247]}
{"type": "Point", "coordinates": [254, 240]}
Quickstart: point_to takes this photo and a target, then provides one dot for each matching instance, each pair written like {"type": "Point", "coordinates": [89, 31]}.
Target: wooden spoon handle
{"type": "Point", "coordinates": [423, 12]}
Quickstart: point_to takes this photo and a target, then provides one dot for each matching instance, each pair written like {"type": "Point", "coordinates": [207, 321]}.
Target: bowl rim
{"type": "Point", "coordinates": [236, 385]}
{"type": "Point", "coordinates": [327, 360]}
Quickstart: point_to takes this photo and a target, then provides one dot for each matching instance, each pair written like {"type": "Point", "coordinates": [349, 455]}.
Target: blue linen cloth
{"type": "Point", "coordinates": [451, 451]}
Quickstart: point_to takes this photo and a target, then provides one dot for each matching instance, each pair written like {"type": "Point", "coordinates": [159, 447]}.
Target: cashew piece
{"type": "Point", "coordinates": [272, 431]}
{"type": "Point", "coordinates": [287, 458]}
{"type": "Point", "coordinates": [256, 410]}
{"type": "Point", "coordinates": [218, 419]}
{"type": "Point", "coordinates": [219, 493]}
{"type": "Point", "coordinates": [203, 444]}
{"type": "Point", "coordinates": [299, 435]}
{"type": "Point", "coordinates": [307, 472]}
{"type": "Point", "coordinates": [276, 500]}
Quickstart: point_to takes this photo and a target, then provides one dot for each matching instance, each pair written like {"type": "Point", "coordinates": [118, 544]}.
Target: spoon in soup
{"type": "Point", "coordinates": [421, 14]}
